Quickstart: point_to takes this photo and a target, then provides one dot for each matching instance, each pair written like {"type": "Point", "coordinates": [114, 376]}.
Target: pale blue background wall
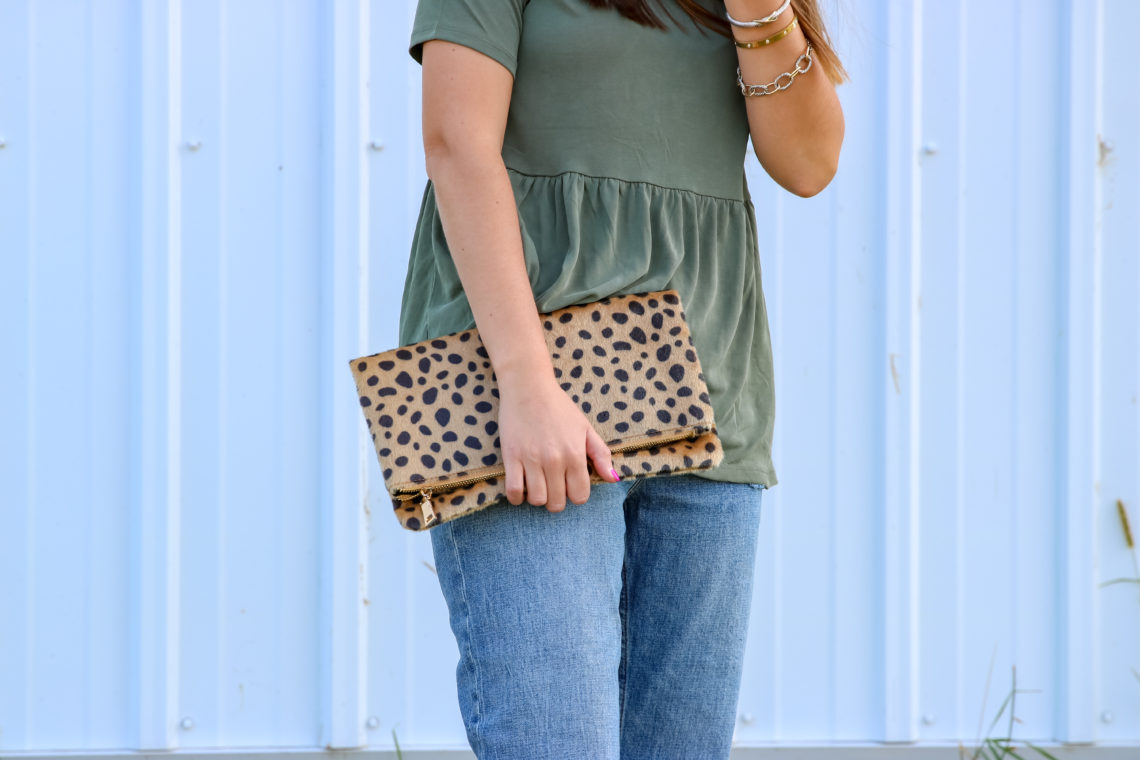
{"type": "Point", "coordinates": [205, 210]}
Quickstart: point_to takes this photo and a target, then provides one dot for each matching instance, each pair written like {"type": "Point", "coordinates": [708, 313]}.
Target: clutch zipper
{"type": "Point", "coordinates": [429, 514]}
{"type": "Point", "coordinates": [425, 505]}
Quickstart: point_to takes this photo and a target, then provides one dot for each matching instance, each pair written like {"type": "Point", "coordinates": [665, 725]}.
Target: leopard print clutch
{"type": "Point", "coordinates": [628, 361]}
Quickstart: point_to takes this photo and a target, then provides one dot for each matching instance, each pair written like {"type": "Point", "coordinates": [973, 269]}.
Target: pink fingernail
{"type": "Point", "coordinates": [616, 476]}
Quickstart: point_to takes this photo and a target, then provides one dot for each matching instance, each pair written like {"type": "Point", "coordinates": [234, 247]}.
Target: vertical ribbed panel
{"type": "Point", "coordinates": [343, 452]}
{"type": "Point", "coordinates": [901, 372]}
{"type": "Point", "coordinates": [1083, 365]}
{"type": "Point", "coordinates": [257, 489]}
{"type": "Point", "coordinates": [19, 490]}
{"type": "Point", "coordinates": [206, 209]}
{"type": "Point", "coordinates": [155, 385]}
{"type": "Point", "coordinates": [1116, 664]}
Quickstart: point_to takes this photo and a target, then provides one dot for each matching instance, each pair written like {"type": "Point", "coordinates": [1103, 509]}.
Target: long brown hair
{"type": "Point", "coordinates": [807, 11]}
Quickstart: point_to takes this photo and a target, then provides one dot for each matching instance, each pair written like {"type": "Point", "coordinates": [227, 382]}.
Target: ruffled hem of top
{"type": "Point", "coordinates": [587, 237]}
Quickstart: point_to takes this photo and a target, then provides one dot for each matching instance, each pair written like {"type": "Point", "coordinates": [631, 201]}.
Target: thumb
{"type": "Point", "coordinates": [599, 454]}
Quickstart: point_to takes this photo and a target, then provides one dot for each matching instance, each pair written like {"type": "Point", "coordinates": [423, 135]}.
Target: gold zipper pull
{"type": "Point", "coordinates": [425, 506]}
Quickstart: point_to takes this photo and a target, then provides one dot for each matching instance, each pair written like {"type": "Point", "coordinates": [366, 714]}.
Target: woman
{"type": "Point", "coordinates": [577, 149]}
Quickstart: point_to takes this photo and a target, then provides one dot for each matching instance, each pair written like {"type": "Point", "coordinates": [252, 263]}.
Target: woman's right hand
{"type": "Point", "coordinates": [546, 442]}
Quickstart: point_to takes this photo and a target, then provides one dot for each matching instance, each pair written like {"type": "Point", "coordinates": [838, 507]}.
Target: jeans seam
{"type": "Point", "coordinates": [626, 593]}
{"type": "Point", "coordinates": [623, 618]}
{"type": "Point", "coordinates": [633, 486]}
{"type": "Point", "coordinates": [476, 718]}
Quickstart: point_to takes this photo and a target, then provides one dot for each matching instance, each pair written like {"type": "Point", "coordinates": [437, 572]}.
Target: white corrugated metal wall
{"type": "Point", "coordinates": [205, 209]}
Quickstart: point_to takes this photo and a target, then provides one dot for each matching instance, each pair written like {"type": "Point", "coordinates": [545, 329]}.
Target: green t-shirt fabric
{"type": "Point", "coordinates": [625, 147]}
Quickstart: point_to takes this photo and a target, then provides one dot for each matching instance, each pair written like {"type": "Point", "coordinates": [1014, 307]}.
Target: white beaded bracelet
{"type": "Point", "coordinates": [760, 21]}
{"type": "Point", "coordinates": [782, 82]}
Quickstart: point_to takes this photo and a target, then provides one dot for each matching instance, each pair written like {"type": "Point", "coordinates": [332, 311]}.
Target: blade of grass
{"type": "Point", "coordinates": [1005, 750]}
{"type": "Point", "coordinates": [1035, 748]}
{"type": "Point", "coordinates": [988, 751]}
{"type": "Point", "coordinates": [996, 746]}
{"type": "Point", "coordinates": [1012, 701]}
{"type": "Point", "coordinates": [985, 695]}
{"type": "Point", "coordinates": [999, 712]}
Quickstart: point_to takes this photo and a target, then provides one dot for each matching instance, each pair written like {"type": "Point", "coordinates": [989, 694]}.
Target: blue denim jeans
{"type": "Point", "coordinates": [613, 629]}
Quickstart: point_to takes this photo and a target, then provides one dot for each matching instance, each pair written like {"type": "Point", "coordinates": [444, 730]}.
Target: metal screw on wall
{"type": "Point", "coordinates": [187, 724]}
{"type": "Point", "coordinates": [373, 722]}
{"type": "Point", "coordinates": [376, 145]}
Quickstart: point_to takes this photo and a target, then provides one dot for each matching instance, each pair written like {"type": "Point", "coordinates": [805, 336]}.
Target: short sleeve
{"type": "Point", "coordinates": [493, 27]}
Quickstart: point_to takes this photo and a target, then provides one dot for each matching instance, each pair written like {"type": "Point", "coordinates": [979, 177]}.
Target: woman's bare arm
{"type": "Point", "coordinates": [543, 434]}
{"type": "Point", "coordinates": [797, 132]}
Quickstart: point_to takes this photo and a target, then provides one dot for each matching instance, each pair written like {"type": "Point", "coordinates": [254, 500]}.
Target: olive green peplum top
{"type": "Point", "coordinates": [625, 146]}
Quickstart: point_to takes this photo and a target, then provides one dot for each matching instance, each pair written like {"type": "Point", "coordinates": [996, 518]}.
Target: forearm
{"type": "Point", "coordinates": [796, 132]}
{"type": "Point", "coordinates": [480, 221]}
